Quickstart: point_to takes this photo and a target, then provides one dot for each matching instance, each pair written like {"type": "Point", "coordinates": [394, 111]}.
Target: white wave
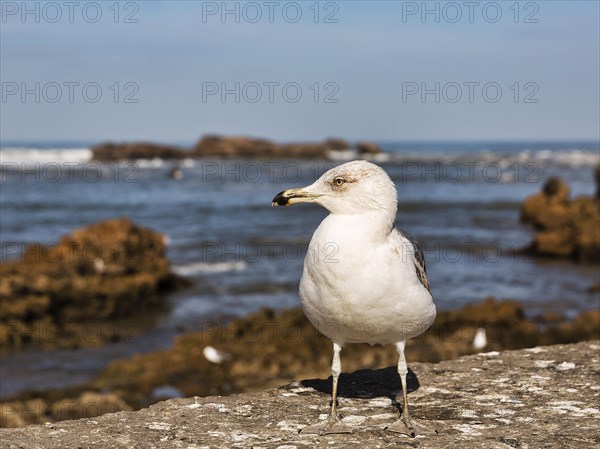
{"type": "Point", "coordinates": [29, 157]}
{"type": "Point", "coordinates": [381, 157]}
{"type": "Point", "coordinates": [156, 163]}
{"type": "Point", "coordinates": [571, 158]}
{"type": "Point", "coordinates": [208, 267]}
{"type": "Point", "coordinates": [349, 155]}
{"type": "Point", "coordinates": [341, 155]}
{"type": "Point", "coordinates": [188, 163]}
{"type": "Point", "coordinates": [151, 163]}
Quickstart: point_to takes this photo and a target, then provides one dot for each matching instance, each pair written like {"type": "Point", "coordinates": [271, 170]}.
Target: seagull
{"type": "Point", "coordinates": [363, 280]}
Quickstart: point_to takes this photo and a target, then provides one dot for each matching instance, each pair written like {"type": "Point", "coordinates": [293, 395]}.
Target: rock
{"type": "Point", "coordinates": [88, 405]}
{"type": "Point", "coordinates": [10, 416]}
{"type": "Point", "coordinates": [540, 397]}
{"type": "Point", "coordinates": [594, 288]}
{"type": "Point", "coordinates": [213, 146]}
{"type": "Point", "coordinates": [268, 348]}
{"type": "Point", "coordinates": [107, 152]}
{"type": "Point", "coordinates": [337, 144]}
{"type": "Point", "coordinates": [246, 147]}
{"type": "Point", "coordinates": [564, 228]}
{"type": "Point", "coordinates": [556, 189]}
{"type": "Point", "coordinates": [18, 414]}
{"type": "Point", "coordinates": [584, 326]}
{"type": "Point", "coordinates": [71, 293]}
{"type": "Point", "coordinates": [548, 209]}
{"type": "Point", "coordinates": [367, 148]}
{"type": "Point", "coordinates": [303, 150]}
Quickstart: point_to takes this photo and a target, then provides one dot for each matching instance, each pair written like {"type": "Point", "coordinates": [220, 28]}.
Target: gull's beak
{"type": "Point", "coordinates": [293, 196]}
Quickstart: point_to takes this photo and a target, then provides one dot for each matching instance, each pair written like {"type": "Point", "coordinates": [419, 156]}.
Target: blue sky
{"type": "Point", "coordinates": [368, 61]}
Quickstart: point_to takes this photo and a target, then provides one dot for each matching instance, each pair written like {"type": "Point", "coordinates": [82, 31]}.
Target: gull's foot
{"type": "Point", "coordinates": [333, 424]}
{"type": "Point", "coordinates": [411, 427]}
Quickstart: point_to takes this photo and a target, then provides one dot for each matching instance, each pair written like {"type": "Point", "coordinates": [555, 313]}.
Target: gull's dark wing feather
{"type": "Point", "coordinates": [418, 258]}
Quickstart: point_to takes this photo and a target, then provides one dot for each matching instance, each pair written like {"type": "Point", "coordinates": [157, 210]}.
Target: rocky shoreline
{"type": "Point", "coordinates": [270, 348]}
{"type": "Point", "coordinates": [539, 397]}
{"type": "Point", "coordinates": [96, 285]}
{"type": "Point", "coordinates": [229, 147]}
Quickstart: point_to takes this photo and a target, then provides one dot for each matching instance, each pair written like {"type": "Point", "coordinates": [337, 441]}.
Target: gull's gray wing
{"type": "Point", "coordinates": [417, 257]}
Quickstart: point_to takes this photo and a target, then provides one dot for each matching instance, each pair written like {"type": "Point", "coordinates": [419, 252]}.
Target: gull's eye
{"type": "Point", "coordinates": [338, 182]}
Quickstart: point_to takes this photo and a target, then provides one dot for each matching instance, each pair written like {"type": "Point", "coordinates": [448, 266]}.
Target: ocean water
{"type": "Point", "coordinates": [461, 200]}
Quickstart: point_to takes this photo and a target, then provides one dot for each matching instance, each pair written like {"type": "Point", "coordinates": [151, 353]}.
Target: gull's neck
{"type": "Point", "coordinates": [375, 225]}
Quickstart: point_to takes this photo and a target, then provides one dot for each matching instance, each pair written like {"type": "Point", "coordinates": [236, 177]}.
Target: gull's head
{"type": "Point", "coordinates": [356, 187]}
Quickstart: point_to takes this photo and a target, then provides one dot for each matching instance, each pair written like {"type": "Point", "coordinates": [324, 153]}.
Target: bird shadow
{"type": "Point", "coordinates": [367, 384]}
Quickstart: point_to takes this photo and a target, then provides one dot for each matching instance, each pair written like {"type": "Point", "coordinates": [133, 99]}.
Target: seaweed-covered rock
{"type": "Point", "coordinates": [564, 227]}
{"type": "Point", "coordinates": [269, 348]}
{"type": "Point", "coordinates": [87, 405]}
{"type": "Point", "coordinates": [112, 270]}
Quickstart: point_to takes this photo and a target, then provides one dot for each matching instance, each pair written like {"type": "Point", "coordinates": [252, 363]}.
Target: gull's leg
{"type": "Point", "coordinates": [333, 424]}
{"type": "Point", "coordinates": [405, 424]}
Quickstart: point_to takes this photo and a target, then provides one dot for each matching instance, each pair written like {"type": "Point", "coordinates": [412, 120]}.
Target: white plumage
{"type": "Point", "coordinates": [363, 280]}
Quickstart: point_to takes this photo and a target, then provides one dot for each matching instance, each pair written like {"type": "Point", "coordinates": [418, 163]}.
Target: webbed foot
{"type": "Point", "coordinates": [411, 427]}
{"type": "Point", "coordinates": [333, 424]}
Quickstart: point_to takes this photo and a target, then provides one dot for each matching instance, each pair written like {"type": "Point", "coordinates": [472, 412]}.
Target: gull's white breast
{"type": "Point", "coordinates": [359, 286]}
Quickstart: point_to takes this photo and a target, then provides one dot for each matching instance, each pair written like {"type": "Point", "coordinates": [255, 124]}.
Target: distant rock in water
{"type": "Point", "coordinates": [368, 148]}
{"type": "Point", "coordinates": [220, 146]}
{"type": "Point", "coordinates": [564, 227]}
{"type": "Point", "coordinates": [212, 146]}
{"type": "Point", "coordinates": [107, 152]}
{"type": "Point", "coordinates": [337, 144]}
{"type": "Point", "coordinates": [246, 147]}
{"type": "Point", "coordinates": [68, 294]}
{"type": "Point", "coordinates": [176, 173]}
